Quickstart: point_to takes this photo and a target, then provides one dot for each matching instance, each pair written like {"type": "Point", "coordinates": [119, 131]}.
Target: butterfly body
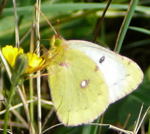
{"type": "Point", "coordinates": [85, 78]}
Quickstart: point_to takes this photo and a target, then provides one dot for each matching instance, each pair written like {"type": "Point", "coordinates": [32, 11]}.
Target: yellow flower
{"type": "Point", "coordinates": [10, 53]}
{"type": "Point", "coordinates": [34, 63]}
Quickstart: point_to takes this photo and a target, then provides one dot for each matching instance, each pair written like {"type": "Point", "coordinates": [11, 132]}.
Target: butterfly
{"type": "Point", "coordinates": [85, 78]}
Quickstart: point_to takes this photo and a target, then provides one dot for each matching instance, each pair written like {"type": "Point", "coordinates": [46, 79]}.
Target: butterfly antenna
{"type": "Point", "coordinates": [48, 22]}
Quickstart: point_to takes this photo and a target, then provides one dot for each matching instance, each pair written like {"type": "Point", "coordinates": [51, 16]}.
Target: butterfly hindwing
{"type": "Point", "coordinates": [78, 88]}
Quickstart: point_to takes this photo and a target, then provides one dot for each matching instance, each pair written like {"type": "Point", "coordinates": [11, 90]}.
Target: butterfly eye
{"type": "Point", "coordinates": [101, 59]}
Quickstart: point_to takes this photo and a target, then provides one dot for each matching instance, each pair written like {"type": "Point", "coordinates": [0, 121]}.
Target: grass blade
{"type": "Point", "coordinates": [125, 25]}
{"type": "Point", "coordinates": [61, 8]}
{"type": "Point", "coordinates": [139, 29]}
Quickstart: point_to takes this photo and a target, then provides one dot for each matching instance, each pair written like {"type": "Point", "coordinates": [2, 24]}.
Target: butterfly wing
{"type": "Point", "coordinates": [121, 74]}
{"type": "Point", "coordinates": [78, 88]}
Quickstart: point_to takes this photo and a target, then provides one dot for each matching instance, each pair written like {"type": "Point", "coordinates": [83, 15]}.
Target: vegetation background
{"type": "Point", "coordinates": [78, 19]}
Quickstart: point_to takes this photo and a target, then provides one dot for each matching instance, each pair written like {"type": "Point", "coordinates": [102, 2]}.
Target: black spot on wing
{"type": "Point", "coordinates": [101, 60]}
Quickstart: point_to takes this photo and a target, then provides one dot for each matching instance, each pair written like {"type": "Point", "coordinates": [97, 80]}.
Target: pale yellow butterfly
{"type": "Point", "coordinates": [85, 78]}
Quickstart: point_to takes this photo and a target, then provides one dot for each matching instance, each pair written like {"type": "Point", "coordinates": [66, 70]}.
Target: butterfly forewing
{"type": "Point", "coordinates": [121, 74]}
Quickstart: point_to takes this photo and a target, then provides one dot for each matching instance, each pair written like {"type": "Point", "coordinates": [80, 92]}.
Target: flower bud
{"type": "Point", "coordinates": [19, 68]}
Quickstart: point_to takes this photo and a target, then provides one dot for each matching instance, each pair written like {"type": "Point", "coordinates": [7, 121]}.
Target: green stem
{"type": "Point", "coordinates": [12, 93]}
{"type": "Point", "coordinates": [31, 98]}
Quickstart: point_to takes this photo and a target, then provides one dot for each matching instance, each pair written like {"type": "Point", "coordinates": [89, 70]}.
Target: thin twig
{"type": "Point", "coordinates": [94, 124]}
{"type": "Point", "coordinates": [47, 117]}
{"type": "Point", "coordinates": [16, 24]}
{"type": "Point", "coordinates": [26, 35]}
{"type": "Point", "coordinates": [31, 127]}
{"type": "Point", "coordinates": [14, 124]}
{"type": "Point", "coordinates": [100, 21]}
{"type": "Point", "coordinates": [28, 102]}
{"type": "Point", "coordinates": [138, 119]}
{"type": "Point", "coordinates": [60, 124]}
{"type": "Point", "coordinates": [126, 122]}
{"type": "Point", "coordinates": [5, 64]}
{"type": "Point", "coordinates": [139, 125]}
{"type": "Point", "coordinates": [16, 106]}
{"type": "Point", "coordinates": [37, 31]}
{"type": "Point", "coordinates": [20, 118]}
{"type": "Point", "coordinates": [31, 85]}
